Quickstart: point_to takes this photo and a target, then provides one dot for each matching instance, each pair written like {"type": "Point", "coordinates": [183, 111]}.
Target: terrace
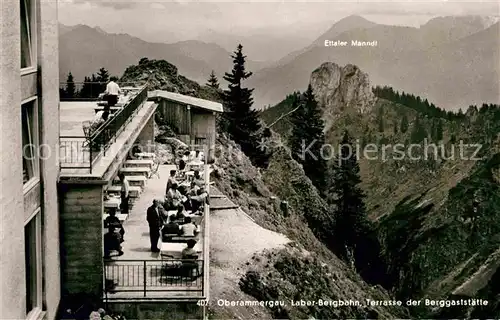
{"type": "Point", "coordinates": [142, 275]}
{"type": "Point", "coordinates": [85, 154]}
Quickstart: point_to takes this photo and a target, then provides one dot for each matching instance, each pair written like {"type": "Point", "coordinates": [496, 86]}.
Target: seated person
{"type": "Point", "coordinates": [99, 118]}
{"type": "Point", "coordinates": [198, 200]}
{"type": "Point", "coordinates": [197, 178]}
{"type": "Point", "coordinates": [189, 255]}
{"type": "Point", "coordinates": [173, 198]}
{"type": "Point", "coordinates": [196, 156]}
{"type": "Point", "coordinates": [171, 180]}
{"type": "Point", "coordinates": [183, 161]}
{"type": "Point", "coordinates": [189, 252]}
{"type": "Point", "coordinates": [113, 221]}
{"type": "Point", "coordinates": [112, 240]}
{"type": "Point", "coordinates": [135, 151]}
{"type": "Point", "coordinates": [194, 189]}
{"type": "Point", "coordinates": [171, 228]}
{"type": "Point", "coordinates": [189, 229]}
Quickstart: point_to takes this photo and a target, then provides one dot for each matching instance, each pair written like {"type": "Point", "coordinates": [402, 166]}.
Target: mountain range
{"type": "Point", "coordinates": [83, 50]}
{"type": "Point", "coordinates": [453, 61]}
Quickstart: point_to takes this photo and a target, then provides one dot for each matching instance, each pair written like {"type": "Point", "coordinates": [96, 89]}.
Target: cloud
{"type": "Point", "coordinates": [115, 4]}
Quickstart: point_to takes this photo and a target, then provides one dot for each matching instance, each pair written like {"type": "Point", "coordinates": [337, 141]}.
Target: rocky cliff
{"type": "Point", "coordinates": [340, 90]}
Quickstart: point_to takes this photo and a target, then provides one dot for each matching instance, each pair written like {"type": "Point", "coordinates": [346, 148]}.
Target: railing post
{"type": "Point", "coordinates": [144, 275]}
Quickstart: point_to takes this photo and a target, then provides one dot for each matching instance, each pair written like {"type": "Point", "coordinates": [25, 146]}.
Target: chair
{"type": "Point", "coordinates": [87, 131]}
{"type": "Point", "coordinates": [155, 170]}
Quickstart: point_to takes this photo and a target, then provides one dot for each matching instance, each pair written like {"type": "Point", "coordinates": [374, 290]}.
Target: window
{"type": "Point", "coordinates": [29, 146]}
{"type": "Point", "coordinates": [33, 265]}
{"type": "Point", "coordinates": [28, 31]}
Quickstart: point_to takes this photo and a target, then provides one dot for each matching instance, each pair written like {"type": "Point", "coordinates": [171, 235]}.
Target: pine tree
{"type": "Point", "coordinates": [353, 231]}
{"type": "Point", "coordinates": [102, 76]}
{"type": "Point", "coordinates": [85, 91]}
{"type": "Point", "coordinates": [70, 86]}
{"type": "Point", "coordinates": [380, 120]}
{"type": "Point", "coordinates": [418, 133]}
{"type": "Point", "coordinates": [212, 81]}
{"type": "Point", "coordinates": [308, 138]}
{"type": "Point", "coordinates": [241, 121]}
{"type": "Point", "coordinates": [404, 124]}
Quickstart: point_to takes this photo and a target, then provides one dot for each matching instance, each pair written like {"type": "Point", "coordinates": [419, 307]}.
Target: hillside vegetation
{"type": "Point", "coordinates": [435, 216]}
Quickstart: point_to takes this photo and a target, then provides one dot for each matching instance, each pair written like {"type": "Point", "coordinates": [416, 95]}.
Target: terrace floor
{"type": "Point", "coordinates": [74, 155]}
{"type": "Point", "coordinates": [136, 248]}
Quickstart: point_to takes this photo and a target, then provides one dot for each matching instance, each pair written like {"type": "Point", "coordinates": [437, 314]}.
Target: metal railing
{"type": "Point", "coordinates": [88, 91]}
{"type": "Point", "coordinates": [153, 279]}
{"type": "Point", "coordinates": [81, 152]}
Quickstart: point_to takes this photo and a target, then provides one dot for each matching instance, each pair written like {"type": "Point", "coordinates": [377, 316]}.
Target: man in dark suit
{"type": "Point", "coordinates": [155, 224]}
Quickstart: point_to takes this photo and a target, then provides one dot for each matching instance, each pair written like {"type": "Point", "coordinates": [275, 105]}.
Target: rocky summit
{"type": "Point", "coordinates": [341, 88]}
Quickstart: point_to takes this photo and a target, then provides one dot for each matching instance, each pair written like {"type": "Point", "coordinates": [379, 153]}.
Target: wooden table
{"type": "Point", "coordinates": [121, 216]}
{"type": "Point", "coordinates": [112, 202]}
{"type": "Point", "coordinates": [175, 248]}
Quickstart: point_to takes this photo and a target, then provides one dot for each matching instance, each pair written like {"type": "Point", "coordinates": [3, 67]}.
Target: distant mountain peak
{"type": "Point", "coordinates": [346, 24]}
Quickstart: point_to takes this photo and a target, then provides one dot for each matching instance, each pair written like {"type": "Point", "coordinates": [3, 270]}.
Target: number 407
{"type": "Point", "coordinates": [202, 303]}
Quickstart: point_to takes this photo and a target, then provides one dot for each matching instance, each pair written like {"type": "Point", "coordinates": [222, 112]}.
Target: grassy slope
{"type": "Point", "coordinates": [306, 269]}
{"type": "Point", "coordinates": [420, 203]}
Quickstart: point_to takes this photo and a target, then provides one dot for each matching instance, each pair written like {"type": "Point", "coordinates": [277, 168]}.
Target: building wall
{"type": "Point", "coordinates": [12, 286]}
{"type": "Point", "coordinates": [49, 86]}
{"type": "Point", "coordinates": [81, 228]}
{"type": "Point", "coordinates": [203, 125]}
{"type": "Point", "coordinates": [18, 203]}
{"type": "Point", "coordinates": [175, 115]}
{"type": "Point", "coordinates": [147, 136]}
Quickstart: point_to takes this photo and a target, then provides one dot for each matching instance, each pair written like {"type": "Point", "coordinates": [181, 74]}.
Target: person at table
{"type": "Point", "coordinates": [124, 194]}
{"type": "Point", "coordinates": [171, 180]}
{"type": "Point", "coordinates": [193, 191]}
{"type": "Point", "coordinates": [155, 223]}
{"type": "Point", "coordinates": [112, 91]}
{"type": "Point", "coordinates": [189, 252]}
{"type": "Point", "coordinates": [173, 198]}
{"type": "Point", "coordinates": [112, 241]}
{"type": "Point", "coordinates": [99, 118]}
{"type": "Point", "coordinates": [198, 200]}
{"type": "Point", "coordinates": [113, 221]}
{"type": "Point", "coordinates": [197, 178]}
{"type": "Point", "coordinates": [189, 228]}
{"type": "Point", "coordinates": [135, 151]}
{"type": "Point", "coordinates": [183, 161]}
{"type": "Point", "coordinates": [171, 228]}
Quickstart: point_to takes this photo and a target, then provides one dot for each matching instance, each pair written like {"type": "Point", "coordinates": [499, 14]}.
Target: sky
{"type": "Point", "coordinates": [184, 20]}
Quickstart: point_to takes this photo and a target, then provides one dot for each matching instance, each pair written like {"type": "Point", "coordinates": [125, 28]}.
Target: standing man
{"type": "Point", "coordinates": [155, 224]}
{"type": "Point", "coordinates": [112, 91]}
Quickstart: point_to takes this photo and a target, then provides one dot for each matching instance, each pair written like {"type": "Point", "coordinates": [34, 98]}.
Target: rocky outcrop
{"type": "Point", "coordinates": [341, 89]}
{"type": "Point", "coordinates": [162, 75]}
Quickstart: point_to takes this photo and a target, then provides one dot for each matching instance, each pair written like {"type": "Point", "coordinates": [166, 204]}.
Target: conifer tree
{"type": "Point", "coordinates": [308, 138]}
{"type": "Point", "coordinates": [418, 133]}
{"type": "Point", "coordinates": [353, 231]}
{"type": "Point", "coordinates": [241, 121]}
{"type": "Point", "coordinates": [70, 86]}
{"type": "Point", "coordinates": [86, 88]}
{"type": "Point", "coordinates": [102, 76]}
{"type": "Point", "coordinates": [404, 124]}
{"type": "Point", "coordinates": [212, 81]}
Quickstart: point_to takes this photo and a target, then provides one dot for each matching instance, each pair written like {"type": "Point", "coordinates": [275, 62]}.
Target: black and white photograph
{"type": "Point", "coordinates": [253, 159]}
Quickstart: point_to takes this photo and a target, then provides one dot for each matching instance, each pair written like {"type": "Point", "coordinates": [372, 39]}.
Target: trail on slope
{"type": "Point", "coordinates": [234, 239]}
